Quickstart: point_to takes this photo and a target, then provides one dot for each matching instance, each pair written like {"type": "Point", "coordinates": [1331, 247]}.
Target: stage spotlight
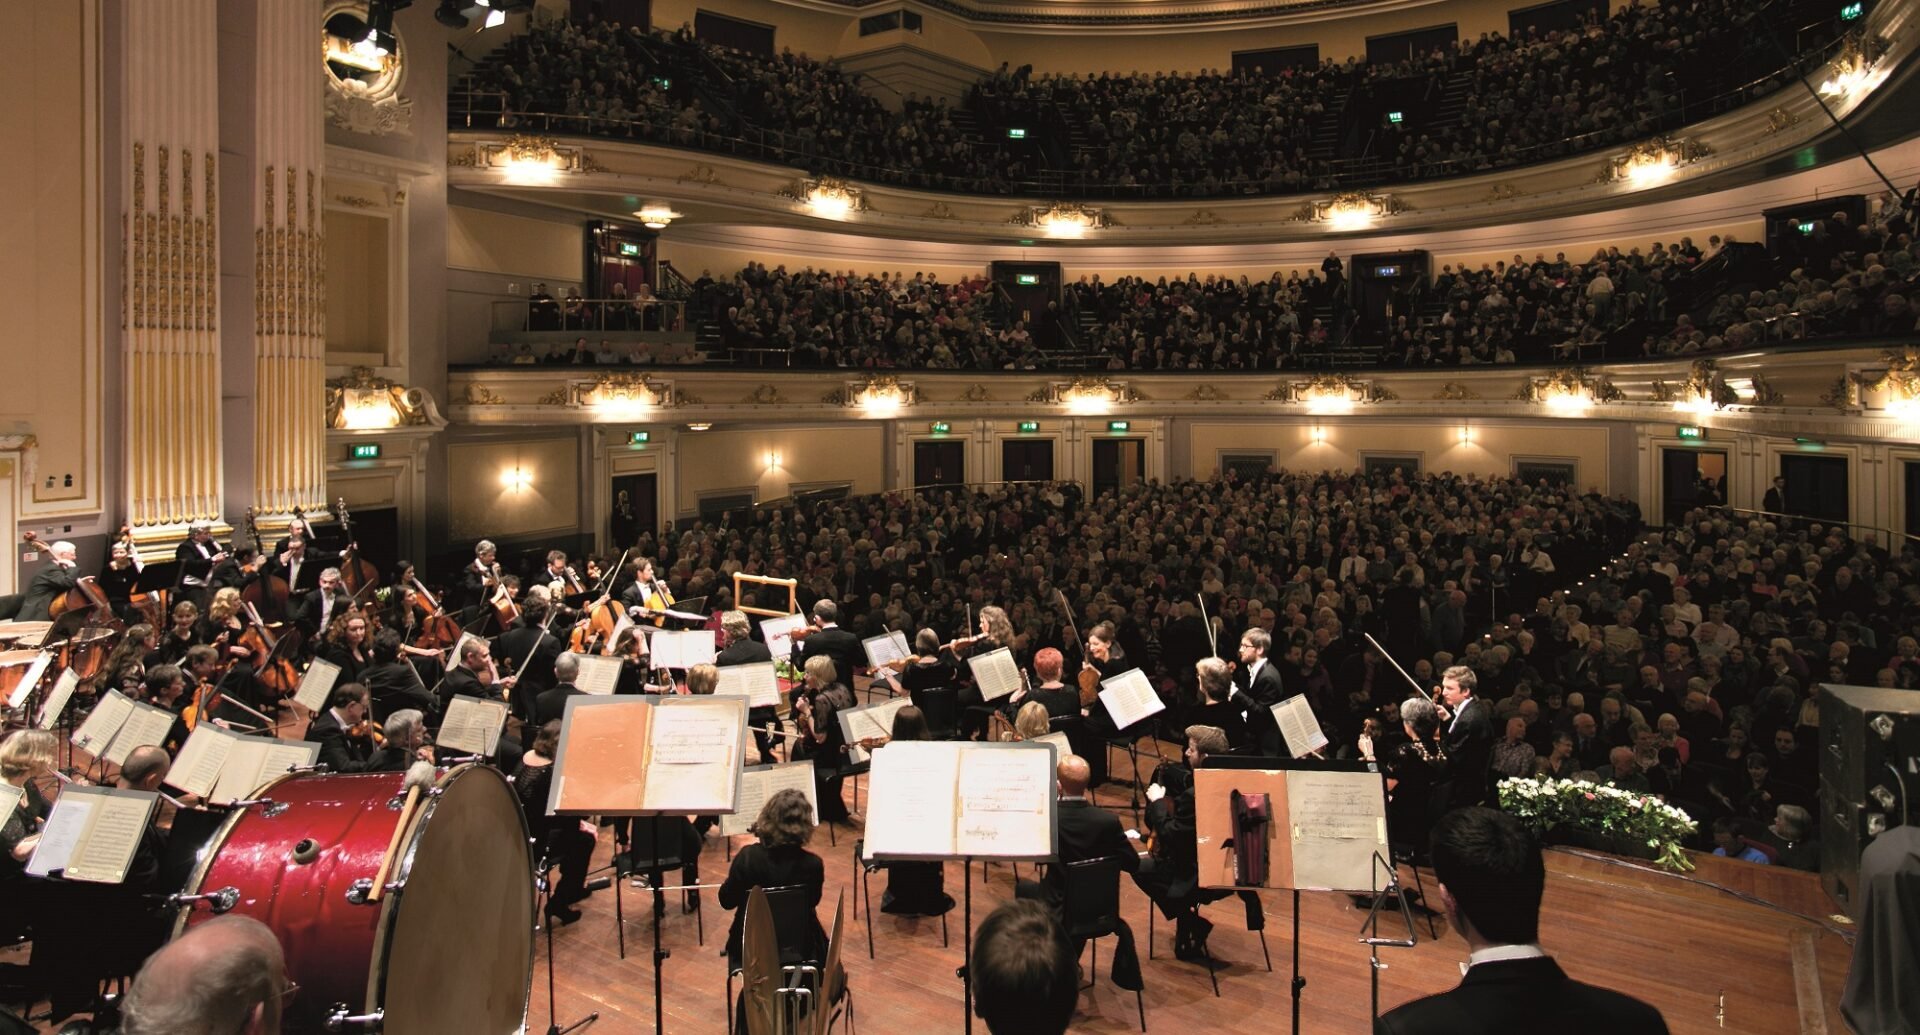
{"type": "Point", "coordinates": [448, 14]}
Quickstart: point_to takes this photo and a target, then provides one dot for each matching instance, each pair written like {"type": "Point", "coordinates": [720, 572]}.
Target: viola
{"type": "Point", "coordinates": [505, 610]}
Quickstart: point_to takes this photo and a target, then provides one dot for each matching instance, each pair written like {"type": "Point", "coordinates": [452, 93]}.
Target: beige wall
{"type": "Point", "coordinates": [691, 259]}
{"type": "Point", "coordinates": [1490, 450]}
{"type": "Point", "coordinates": [824, 34]}
{"type": "Point", "coordinates": [50, 207]}
{"type": "Point", "coordinates": [480, 505]}
{"type": "Point", "coordinates": [709, 462]}
{"type": "Point", "coordinates": [496, 242]}
{"type": "Point", "coordinates": [357, 280]}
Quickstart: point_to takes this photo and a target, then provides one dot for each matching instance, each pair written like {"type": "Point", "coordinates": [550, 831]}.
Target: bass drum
{"type": "Point", "coordinates": [448, 950]}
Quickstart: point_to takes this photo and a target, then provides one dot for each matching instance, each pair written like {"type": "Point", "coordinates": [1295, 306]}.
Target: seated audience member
{"type": "Point", "coordinates": [1729, 844]}
{"type": "Point", "coordinates": [1490, 876]}
{"type": "Point", "coordinates": [1791, 838]}
{"type": "Point", "coordinates": [1025, 977]}
{"type": "Point", "coordinates": [778, 859]}
{"type": "Point", "coordinates": [223, 975]}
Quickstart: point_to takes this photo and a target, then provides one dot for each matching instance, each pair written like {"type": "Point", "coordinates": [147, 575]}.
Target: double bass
{"type": "Point", "coordinates": [84, 596]}
{"type": "Point", "coordinates": [356, 572]}
{"type": "Point", "coordinates": [267, 591]}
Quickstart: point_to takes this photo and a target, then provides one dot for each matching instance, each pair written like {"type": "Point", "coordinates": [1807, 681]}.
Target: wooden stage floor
{"type": "Point", "coordinates": [1710, 959]}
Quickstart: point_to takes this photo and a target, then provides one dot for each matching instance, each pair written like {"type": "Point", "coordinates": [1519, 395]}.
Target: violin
{"type": "Point", "coordinates": [367, 729]}
{"type": "Point", "coordinates": [962, 641]}
{"type": "Point", "coordinates": [206, 697]}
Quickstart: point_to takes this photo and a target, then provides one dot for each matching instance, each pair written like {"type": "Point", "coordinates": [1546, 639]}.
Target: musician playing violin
{"type": "Point", "coordinates": [814, 714]}
{"type": "Point", "coordinates": [477, 579]}
{"type": "Point", "coordinates": [315, 610]}
{"type": "Point", "coordinates": [929, 669]}
{"type": "Point", "coordinates": [743, 649]}
{"type": "Point", "coordinates": [196, 557]}
{"type": "Point", "coordinates": [345, 730]}
{"type": "Point", "coordinates": [50, 583]}
{"type": "Point", "coordinates": [474, 676]}
{"type": "Point", "coordinates": [348, 645]}
{"type": "Point", "coordinates": [996, 631]}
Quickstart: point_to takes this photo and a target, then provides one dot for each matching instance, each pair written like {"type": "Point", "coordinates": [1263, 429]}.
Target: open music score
{"type": "Point", "coordinates": [1130, 699]}
{"type": "Point", "coordinates": [10, 797]}
{"type": "Point", "coordinates": [681, 648]}
{"type": "Point", "coordinates": [885, 648]}
{"type": "Point", "coordinates": [599, 674]}
{"type": "Point", "coordinates": [760, 782]}
{"type": "Point", "coordinates": [756, 681]}
{"type": "Point", "coordinates": [961, 800]}
{"type": "Point", "coordinates": [92, 833]}
{"type": "Point", "coordinates": [146, 725]}
{"type": "Point", "coordinates": [1299, 726]}
{"type": "Point", "coordinates": [35, 672]}
{"type": "Point", "coordinates": [316, 685]}
{"type": "Point", "coordinates": [873, 722]}
{"type": "Point", "coordinates": [778, 633]}
{"type": "Point", "coordinates": [1327, 825]}
{"type": "Point", "coordinates": [472, 725]}
{"type": "Point", "coordinates": [57, 699]}
{"type": "Point", "coordinates": [111, 713]}
{"type": "Point", "coordinates": [996, 673]}
{"type": "Point", "coordinates": [252, 762]}
{"type": "Point", "coordinates": [645, 755]}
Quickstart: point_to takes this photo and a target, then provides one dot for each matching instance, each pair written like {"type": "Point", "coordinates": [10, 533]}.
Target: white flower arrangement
{"type": "Point", "coordinates": [1609, 812]}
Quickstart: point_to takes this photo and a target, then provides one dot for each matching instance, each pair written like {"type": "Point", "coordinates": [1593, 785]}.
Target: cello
{"type": "Point", "coordinates": [85, 594]}
{"type": "Point", "coordinates": [356, 572]}
{"type": "Point", "coordinates": [438, 630]}
{"type": "Point", "coordinates": [273, 671]}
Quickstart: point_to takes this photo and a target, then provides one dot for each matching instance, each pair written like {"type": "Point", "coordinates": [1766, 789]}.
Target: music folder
{"type": "Point", "coordinates": [472, 725]}
{"type": "Point", "coordinates": [316, 685]}
{"type": "Point", "coordinates": [649, 755]}
{"type": "Point", "coordinates": [873, 722]}
{"type": "Point", "coordinates": [92, 833]}
{"type": "Point", "coordinates": [1320, 823]}
{"type": "Point", "coordinates": [962, 800]}
{"type": "Point", "coordinates": [760, 782]}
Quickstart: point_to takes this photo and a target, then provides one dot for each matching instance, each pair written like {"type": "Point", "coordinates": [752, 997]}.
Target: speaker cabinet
{"type": "Point", "coordinates": [1869, 777]}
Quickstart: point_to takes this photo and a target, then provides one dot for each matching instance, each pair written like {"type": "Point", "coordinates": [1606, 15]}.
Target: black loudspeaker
{"type": "Point", "coordinates": [1869, 777]}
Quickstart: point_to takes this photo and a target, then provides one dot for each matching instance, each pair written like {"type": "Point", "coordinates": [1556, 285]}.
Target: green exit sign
{"type": "Point", "coordinates": [1852, 12]}
{"type": "Point", "coordinates": [628, 248]}
{"type": "Point", "coordinates": [1027, 427]}
{"type": "Point", "coordinates": [1014, 133]}
{"type": "Point", "coordinates": [1805, 228]}
{"type": "Point", "coordinates": [1396, 117]}
{"type": "Point", "coordinates": [1118, 425]}
{"type": "Point", "coordinates": [366, 450]}
{"type": "Point", "coordinates": [639, 438]}
{"type": "Point", "coordinates": [1693, 432]}
{"type": "Point", "coordinates": [939, 427]}
{"type": "Point", "coordinates": [1026, 279]}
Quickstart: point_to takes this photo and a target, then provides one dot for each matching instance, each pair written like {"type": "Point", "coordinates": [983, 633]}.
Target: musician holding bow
{"type": "Point", "coordinates": [50, 583]}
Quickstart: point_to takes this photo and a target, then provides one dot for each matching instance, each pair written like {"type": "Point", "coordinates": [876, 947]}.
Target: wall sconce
{"type": "Point", "coordinates": [773, 459]}
{"type": "Point", "coordinates": [533, 160]}
{"type": "Point", "coordinates": [1319, 435]}
{"type": "Point", "coordinates": [1466, 435]}
{"type": "Point", "coordinates": [516, 479]}
{"type": "Point", "coordinates": [1856, 71]}
{"type": "Point", "coordinates": [1654, 162]}
{"type": "Point", "coordinates": [828, 197]}
{"type": "Point", "coordinates": [699, 425]}
{"type": "Point", "coordinates": [625, 396]}
{"type": "Point", "coordinates": [1703, 392]}
{"type": "Point", "coordinates": [1086, 396]}
{"type": "Point", "coordinates": [362, 402]}
{"type": "Point", "coordinates": [877, 396]}
{"type": "Point", "coordinates": [1568, 393]}
{"type": "Point", "coordinates": [1331, 393]}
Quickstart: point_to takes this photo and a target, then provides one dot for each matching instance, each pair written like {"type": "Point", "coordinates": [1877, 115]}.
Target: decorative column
{"type": "Point", "coordinates": [170, 291]}
{"type": "Point", "coordinates": [289, 155]}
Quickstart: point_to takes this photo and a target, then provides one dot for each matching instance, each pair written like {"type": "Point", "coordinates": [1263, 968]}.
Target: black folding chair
{"type": "Point", "coordinates": [1092, 909]}
{"type": "Point", "coordinates": [941, 706]}
{"type": "Point", "coordinates": [654, 859]}
{"type": "Point", "coordinates": [863, 871]}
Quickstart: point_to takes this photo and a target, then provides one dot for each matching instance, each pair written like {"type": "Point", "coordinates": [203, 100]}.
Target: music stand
{"type": "Point", "coordinates": [691, 752]}
{"type": "Point", "coordinates": [1019, 822]}
{"type": "Point", "coordinates": [1316, 804]}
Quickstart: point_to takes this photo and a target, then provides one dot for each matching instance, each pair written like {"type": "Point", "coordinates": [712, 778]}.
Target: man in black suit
{"type": "Point", "coordinates": [315, 609]}
{"type": "Point", "coordinates": [196, 558]}
{"type": "Point", "coordinates": [743, 649]}
{"type": "Point", "coordinates": [1087, 831]}
{"type": "Point", "coordinates": [341, 751]}
{"type": "Point", "coordinates": [50, 583]}
{"type": "Point", "coordinates": [1490, 877]}
{"type": "Point", "coordinates": [474, 676]}
{"type": "Point", "coordinates": [1469, 737]}
{"type": "Point", "coordinates": [529, 651]}
{"type": "Point", "coordinates": [1260, 688]}
{"type": "Point", "coordinates": [829, 640]}
{"type": "Point", "coordinates": [552, 704]}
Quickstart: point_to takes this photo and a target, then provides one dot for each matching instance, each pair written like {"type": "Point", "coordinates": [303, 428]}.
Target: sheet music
{"type": "Point", "coordinates": [1005, 798]}
{"type": "Point", "coordinates": [599, 674]}
{"type": "Point", "coordinates": [9, 799]}
{"type": "Point", "coordinates": [472, 725]}
{"type": "Point", "coordinates": [72, 811]}
{"type": "Point", "coordinates": [1130, 699]}
{"type": "Point", "coordinates": [57, 699]}
{"type": "Point", "coordinates": [760, 782]}
{"type": "Point", "coordinates": [756, 681]}
{"type": "Point", "coordinates": [694, 755]}
{"type": "Point", "coordinates": [145, 725]}
{"type": "Point", "coordinates": [910, 801]}
{"type": "Point", "coordinates": [995, 673]}
{"type": "Point", "coordinates": [103, 722]}
{"type": "Point", "coordinates": [197, 769]}
{"type": "Point", "coordinates": [891, 646]}
{"type": "Point", "coordinates": [107, 846]}
{"type": "Point", "coordinates": [1299, 726]}
{"type": "Point", "coordinates": [30, 680]}
{"type": "Point", "coordinates": [682, 648]}
{"type": "Point", "coordinates": [872, 722]}
{"type": "Point", "coordinates": [316, 685]}
{"type": "Point", "coordinates": [1339, 821]}
{"type": "Point", "coordinates": [778, 633]}
{"type": "Point", "coordinates": [254, 761]}
{"type": "Point", "coordinates": [1058, 742]}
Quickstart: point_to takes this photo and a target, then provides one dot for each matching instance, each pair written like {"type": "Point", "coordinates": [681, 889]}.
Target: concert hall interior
{"type": "Point", "coordinates": [1037, 515]}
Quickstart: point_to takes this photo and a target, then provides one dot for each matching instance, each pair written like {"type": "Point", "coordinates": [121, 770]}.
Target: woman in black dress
{"type": "Point", "coordinates": [1416, 773]}
{"type": "Point", "coordinates": [559, 839]}
{"type": "Point", "coordinates": [914, 888]}
{"type": "Point", "coordinates": [778, 859]}
{"type": "Point", "coordinates": [815, 711]}
{"type": "Point", "coordinates": [347, 644]}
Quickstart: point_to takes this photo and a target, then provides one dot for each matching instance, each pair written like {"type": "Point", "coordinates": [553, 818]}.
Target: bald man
{"type": "Point", "coordinates": [144, 769]}
{"type": "Point", "coordinates": [1087, 831]}
{"type": "Point", "coordinates": [50, 583]}
{"type": "Point", "coordinates": [225, 975]}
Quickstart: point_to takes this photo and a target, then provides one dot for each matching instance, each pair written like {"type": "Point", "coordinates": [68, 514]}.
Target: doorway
{"type": "Point", "coordinates": [1691, 478]}
{"type": "Point", "coordinates": [1026, 460]}
{"type": "Point", "coordinates": [635, 509]}
{"type": "Point", "coordinates": [939, 463]}
{"type": "Point", "coordinates": [1118, 463]}
{"type": "Point", "coordinates": [1911, 471]}
{"type": "Point", "coordinates": [1816, 486]}
{"type": "Point", "coordinates": [377, 530]}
